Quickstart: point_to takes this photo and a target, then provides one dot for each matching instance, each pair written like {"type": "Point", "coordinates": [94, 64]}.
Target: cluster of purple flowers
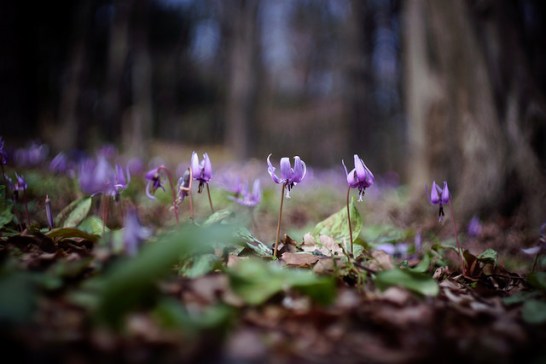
{"type": "Point", "coordinates": [97, 176]}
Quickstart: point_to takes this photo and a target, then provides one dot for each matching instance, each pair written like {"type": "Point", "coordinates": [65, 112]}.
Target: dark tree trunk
{"type": "Point", "coordinates": [473, 108]}
{"type": "Point", "coordinates": [243, 75]}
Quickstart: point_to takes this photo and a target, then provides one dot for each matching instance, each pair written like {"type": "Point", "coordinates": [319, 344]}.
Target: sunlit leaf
{"type": "Point", "coordinates": [70, 232]}
{"type": "Point", "coordinates": [488, 256]}
{"type": "Point", "coordinates": [413, 281]}
{"type": "Point", "coordinates": [200, 265]}
{"type": "Point", "coordinates": [77, 213]}
{"type": "Point", "coordinates": [423, 265]}
{"type": "Point", "coordinates": [336, 226]}
{"type": "Point", "coordinates": [93, 225]}
{"type": "Point", "coordinates": [255, 281]}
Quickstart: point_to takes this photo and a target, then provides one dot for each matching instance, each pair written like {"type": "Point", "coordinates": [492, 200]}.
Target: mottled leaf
{"type": "Point", "coordinates": [336, 226]}
{"type": "Point", "coordinates": [77, 214]}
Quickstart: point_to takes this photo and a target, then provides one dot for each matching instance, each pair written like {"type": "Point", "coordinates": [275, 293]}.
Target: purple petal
{"type": "Point", "coordinates": [299, 170]}
{"type": "Point", "coordinates": [532, 250]}
{"type": "Point", "coordinates": [445, 194]}
{"type": "Point", "coordinates": [286, 170]}
{"type": "Point", "coordinates": [434, 196]}
{"type": "Point", "coordinates": [271, 171]}
{"type": "Point", "coordinates": [360, 169]}
{"type": "Point", "coordinates": [207, 170]}
{"type": "Point", "coordinates": [351, 178]}
{"type": "Point", "coordinates": [195, 168]}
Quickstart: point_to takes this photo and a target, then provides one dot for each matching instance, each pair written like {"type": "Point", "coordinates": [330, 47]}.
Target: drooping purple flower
{"type": "Point", "coordinates": [95, 176]}
{"type": "Point", "coordinates": [474, 226]}
{"type": "Point", "coordinates": [31, 156]}
{"type": "Point", "coordinates": [120, 182]}
{"type": "Point", "coordinates": [183, 186]}
{"type": "Point", "coordinates": [59, 164]}
{"type": "Point", "coordinates": [201, 170]}
{"type": "Point", "coordinates": [360, 177]}
{"type": "Point", "coordinates": [20, 185]}
{"type": "Point", "coordinates": [247, 197]}
{"type": "Point", "coordinates": [289, 176]}
{"type": "Point", "coordinates": [539, 248]}
{"type": "Point", "coordinates": [134, 234]}
{"type": "Point", "coordinates": [154, 182]}
{"type": "Point", "coordinates": [439, 196]}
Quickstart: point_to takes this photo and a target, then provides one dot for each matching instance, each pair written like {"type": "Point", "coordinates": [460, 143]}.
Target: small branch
{"type": "Point", "coordinates": [279, 222]}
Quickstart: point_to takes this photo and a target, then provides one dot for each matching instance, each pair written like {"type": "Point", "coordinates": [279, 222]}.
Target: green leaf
{"type": "Point", "coordinates": [200, 265]}
{"type": "Point", "coordinates": [67, 233]}
{"type": "Point", "coordinates": [93, 225]}
{"type": "Point", "coordinates": [538, 280]}
{"type": "Point", "coordinates": [132, 282]}
{"type": "Point", "coordinates": [77, 213]}
{"type": "Point", "coordinates": [423, 265]}
{"type": "Point", "coordinates": [6, 206]}
{"type": "Point", "coordinates": [172, 315]}
{"type": "Point", "coordinates": [336, 226]}
{"type": "Point", "coordinates": [488, 256]}
{"type": "Point", "coordinates": [413, 281]}
{"type": "Point", "coordinates": [534, 312]}
{"type": "Point", "coordinates": [255, 281]}
{"type": "Point", "coordinates": [382, 234]}
{"type": "Point", "coordinates": [520, 297]}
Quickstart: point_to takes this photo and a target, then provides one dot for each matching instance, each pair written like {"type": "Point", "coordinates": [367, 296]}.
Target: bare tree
{"type": "Point", "coordinates": [471, 122]}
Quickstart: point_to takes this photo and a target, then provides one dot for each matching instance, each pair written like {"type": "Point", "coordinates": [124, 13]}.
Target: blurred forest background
{"type": "Point", "coordinates": [447, 90]}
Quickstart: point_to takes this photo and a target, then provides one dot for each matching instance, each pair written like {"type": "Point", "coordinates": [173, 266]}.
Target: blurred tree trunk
{"type": "Point", "coordinates": [360, 103]}
{"type": "Point", "coordinates": [117, 56]}
{"type": "Point", "coordinates": [242, 36]}
{"type": "Point", "coordinates": [473, 108]}
{"type": "Point", "coordinates": [70, 133]}
{"type": "Point", "coordinates": [137, 123]}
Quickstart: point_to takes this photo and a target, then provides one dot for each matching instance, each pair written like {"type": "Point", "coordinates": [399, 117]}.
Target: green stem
{"type": "Point", "coordinates": [279, 222]}
{"type": "Point", "coordinates": [210, 199]}
{"type": "Point", "coordinates": [456, 233]}
{"type": "Point", "coordinates": [349, 220]}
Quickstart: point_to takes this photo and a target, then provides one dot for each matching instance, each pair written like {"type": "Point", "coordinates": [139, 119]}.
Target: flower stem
{"type": "Point", "coordinates": [210, 199]}
{"type": "Point", "coordinates": [173, 191]}
{"type": "Point", "coordinates": [279, 222]}
{"type": "Point", "coordinates": [456, 233]}
{"type": "Point", "coordinates": [349, 221]}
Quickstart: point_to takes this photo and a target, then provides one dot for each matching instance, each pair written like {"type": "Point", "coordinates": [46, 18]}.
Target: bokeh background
{"type": "Point", "coordinates": [422, 90]}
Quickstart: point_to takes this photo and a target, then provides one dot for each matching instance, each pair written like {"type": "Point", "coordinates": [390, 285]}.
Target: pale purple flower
{"type": "Point", "coordinates": [34, 155]}
{"type": "Point", "coordinates": [399, 250]}
{"type": "Point", "coordinates": [154, 182]}
{"type": "Point", "coordinates": [474, 226]}
{"type": "Point", "coordinates": [20, 184]}
{"type": "Point", "coordinates": [360, 177]}
{"type": "Point", "coordinates": [121, 180]}
{"type": "Point", "coordinates": [439, 196]}
{"type": "Point", "coordinates": [134, 234]}
{"type": "Point", "coordinates": [49, 214]}
{"type": "Point", "coordinates": [95, 176]}
{"type": "Point", "coordinates": [59, 164]}
{"type": "Point", "coordinates": [289, 176]}
{"type": "Point", "coordinates": [201, 170]}
{"type": "Point", "coordinates": [540, 248]}
{"type": "Point", "coordinates": [183, 186]}
{"type": "Point", "coordinates": [249, 198]}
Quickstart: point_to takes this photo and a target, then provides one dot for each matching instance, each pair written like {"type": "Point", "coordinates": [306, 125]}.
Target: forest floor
{"type": "Point", "coordinates": [70, 294]}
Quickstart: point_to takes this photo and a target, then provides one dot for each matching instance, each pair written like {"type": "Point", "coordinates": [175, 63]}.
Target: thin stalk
{"type": "Point", "coordinates": [535, 262]}
{"type": "Point", "coordinates": [5, 182]}
{"type": "Point", "coordinates": [173, 191]}
{"type": "Point", "coordinates": [210, 200]}
{"type": "Point", "coordinates": [104, 211]}
{"type": "Point", "coordinates": [349, 220]}
{"type": "Point", "coordinates": [456, 233]}
{"type": "Point", "coordinates": [279, 222]}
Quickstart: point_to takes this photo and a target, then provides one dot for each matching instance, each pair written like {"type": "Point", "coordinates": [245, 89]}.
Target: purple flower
{"type": "Point", "coordinates": [49, 214]}
{"type": "Point", "coordinates": [95, 176]}
{"type": "Point", "coordinates": [3, 153]}
{"type": "Point", "coordinates": [540, 248]}
{"type": "Point", "coordinates": [120, 182]}
{"type": "Point", "coordinates": [360, 177]}
{"type": "Point", "coordinates": [439, 196]}
{"type": "Point", "coordinates": [399, 250]}
{"type": "Point", "coordinates": [59, 164]}
{"type": "Point", "coordinates": [474, 226]}
{"type": "Point", "coordinates": [289, 176]}
{"type": "Point", "coordinates": [134, 234]}
{"type": "Point", "coordinates": [183, 186]}
{"type": "Point", "coordinates": [248, 198]}
{"type": "Point", "coordinates": [20, 184]}
{"type": "Point", "coordinates": [202, 171]}
{"type": "Point", "coordinates": [154, 182]}
{"type": "Point", "coordinates": [32, 156]}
